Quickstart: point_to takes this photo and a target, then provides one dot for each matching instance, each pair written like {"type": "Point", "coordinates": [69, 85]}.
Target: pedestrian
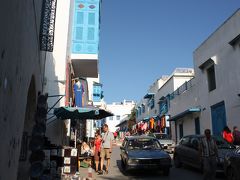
{"type": "Point", "coordinates": [236, 136]}
{"type": "Point", "coordinates": [106, 148]}
{"type": "Point", "coordinates": [227, 134]}
{"type": "Point", "coordinates": [115, 135]}
{"type": "Point", "coordinates": [208, 154]}
{"type": "Point", "coordinates": [97, 149]}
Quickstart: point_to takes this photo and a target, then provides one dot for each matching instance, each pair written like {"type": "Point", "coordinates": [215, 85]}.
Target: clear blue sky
{"type": "Point", "coordinates": [142, 40]}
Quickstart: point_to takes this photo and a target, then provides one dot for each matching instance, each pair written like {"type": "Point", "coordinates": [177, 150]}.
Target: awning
{"type": "Point", "coordinates": [81, 113]}
{"type": "Point", "coordinates": [148, 95]}
{"type": "Point", "coordinates": [146, 119]}
{"type": "Point", "coordinates": [121, 123]}
{"type": "Point", "coordinates": [181, 115]}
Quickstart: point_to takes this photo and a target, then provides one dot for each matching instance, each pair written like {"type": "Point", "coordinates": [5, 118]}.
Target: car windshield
{"type": "Point", "coordinates": [162, 136]}
{"type": "Point", "coordinates": [223, 144]}
{"type": "Point", "coordinates": [143, 143]}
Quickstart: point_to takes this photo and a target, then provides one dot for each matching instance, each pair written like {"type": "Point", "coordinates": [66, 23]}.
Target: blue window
{"type": "Point", "coordinates": [91, 33]}
{"type": "Point", "coordinates": [91, 19]}
{"type": "Point", "coordinates": [97, 93]}
{"type": "Point", "coordinates": [79, 18]}
{"type": "Point", "coordinates": [151, 103]}
{"type": "Point", "coordinates": [143, 108]}
{"type": "Point", "coordinates": [79, 33]}
{"type": "Point", "coordinates": [85, 35]}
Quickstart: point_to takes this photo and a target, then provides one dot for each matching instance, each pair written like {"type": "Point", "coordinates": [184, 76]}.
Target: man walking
{"type": "Point", "coordinates": [208, 154]}
{"type": "Point", "coordinates": [106, 148]}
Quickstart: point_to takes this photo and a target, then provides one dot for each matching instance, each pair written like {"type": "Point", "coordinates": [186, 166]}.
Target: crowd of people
{"type": "Point", "coordinates": [100, 149]}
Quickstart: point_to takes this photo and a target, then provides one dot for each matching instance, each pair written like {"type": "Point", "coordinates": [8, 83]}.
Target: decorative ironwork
{"type": "Point", "coordinates": [48, 25]}
{"type": "Point", "coordinates": [81, 6]}
{"type": "Point", "coordinates": [91, 6]}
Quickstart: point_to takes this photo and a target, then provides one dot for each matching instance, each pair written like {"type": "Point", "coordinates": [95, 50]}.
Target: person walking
{"type": "Point", "coordinates": [227, 134]}
{"type": "Point", "coordinates": [236, 136]}
{"type": "Point", "coordinates": [208, 154]}
{"type": "Point", "coordinates": [97, 148]}
{"type": "Point", "coordinates": [115, 135]}
{"type": "Point", "coordinates": [106, 148]}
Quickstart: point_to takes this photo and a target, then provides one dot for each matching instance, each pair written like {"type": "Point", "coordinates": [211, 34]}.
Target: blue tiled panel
{"type": "Point", "coordinates": [85, 36]}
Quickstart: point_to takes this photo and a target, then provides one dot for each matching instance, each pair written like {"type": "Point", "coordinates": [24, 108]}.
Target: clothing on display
{"type": "Point", "coordinates": [151, 122]}
{"type": "Point", "coordinates": [78, 91]}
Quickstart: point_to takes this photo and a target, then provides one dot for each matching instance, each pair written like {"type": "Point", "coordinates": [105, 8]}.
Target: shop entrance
{"type": "Point", "coordinates": [24, 165]}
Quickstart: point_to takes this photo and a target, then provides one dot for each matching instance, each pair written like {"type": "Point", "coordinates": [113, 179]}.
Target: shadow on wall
{"type": "Point", "coordinates": [53, 85]}
{"type": "Point", "coordinates": [24, 165]}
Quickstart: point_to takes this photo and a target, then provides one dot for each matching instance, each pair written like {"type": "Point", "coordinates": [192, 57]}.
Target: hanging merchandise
{"type": "Point", "coordinates": [151, 122]}
{"type": "Point", "coordinates": [78, 92]}
{"type": "Point", "coordinates": [163, 122]}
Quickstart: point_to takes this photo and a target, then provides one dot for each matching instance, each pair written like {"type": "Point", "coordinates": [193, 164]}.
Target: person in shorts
{"type": "Point", "coordinates": [106, 148]}
{"type": "Point", "coordinates": [97, 149]}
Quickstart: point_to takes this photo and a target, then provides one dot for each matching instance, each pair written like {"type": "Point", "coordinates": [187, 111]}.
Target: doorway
{"type": "Point", "coordinates": [218, 118]}
{"type": "Point", "coordinates": [24, 165]}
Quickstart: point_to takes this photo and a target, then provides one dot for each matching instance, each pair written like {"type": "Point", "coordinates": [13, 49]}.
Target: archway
{"type": "Point", "coordinates": [24, 165]}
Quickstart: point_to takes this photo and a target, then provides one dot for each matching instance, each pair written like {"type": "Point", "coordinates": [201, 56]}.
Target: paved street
{"type": "Point", "coordinates": [116, 172]}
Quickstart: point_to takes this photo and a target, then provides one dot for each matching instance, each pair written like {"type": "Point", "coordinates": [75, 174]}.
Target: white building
{"type": "Point", "coordinates": [75, 56]}
{"type": "Point", "coordinates": [213, 99]}
{"type": "Point", "coordinates": [120, 110]}
{"type": "Point", "coordinates": [55, 71]}
{"type": "Point", "coordinates": [155, 103]}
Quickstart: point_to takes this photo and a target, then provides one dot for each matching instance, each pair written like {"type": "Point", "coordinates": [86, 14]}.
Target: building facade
{"type": "Point", "coordinates": [22, 68]}
{"type": "Point", "coordinates": [213, 100]}
{"type": "Point", "coordinates": [121, 110]}
{"type": "Point", "coordinates": [55, 73]}
{"type": "Point", "coordinates": [155, 105]}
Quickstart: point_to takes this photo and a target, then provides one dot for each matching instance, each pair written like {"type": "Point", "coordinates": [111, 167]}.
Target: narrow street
{"type": "Point", "coordinates": [116, 172]}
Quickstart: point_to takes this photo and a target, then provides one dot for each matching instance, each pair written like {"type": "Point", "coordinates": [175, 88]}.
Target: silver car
{"type": "Point", "coordinates": [167, 143]}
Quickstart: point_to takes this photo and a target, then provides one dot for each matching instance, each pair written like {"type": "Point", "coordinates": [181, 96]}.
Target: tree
{"type": "Point", "coordinates": [132, 119]}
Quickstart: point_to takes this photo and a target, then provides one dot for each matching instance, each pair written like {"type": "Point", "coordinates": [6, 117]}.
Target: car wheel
{"type": "Point", "coordinates": [230, 174]}
{"type": "Point", "coordinates": [177, 161]}
{"type": "Point", "coordinates": [122, 163]}
{"type": "Point", "coordinates": [166, 171]}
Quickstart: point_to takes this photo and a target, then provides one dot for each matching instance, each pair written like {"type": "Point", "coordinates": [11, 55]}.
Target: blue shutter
{"type": "Point", "coordinates": [85, 37]}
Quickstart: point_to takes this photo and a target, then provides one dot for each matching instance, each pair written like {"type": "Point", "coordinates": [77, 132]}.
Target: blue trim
{"type": "Point", "coordinates": [184, 113]}
{"type": "Point", "coordinates": [148, 95]}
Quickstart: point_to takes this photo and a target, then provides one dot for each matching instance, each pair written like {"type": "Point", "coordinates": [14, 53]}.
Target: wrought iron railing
{"type": "Point", "coordinates": [186, 86]}
{"type": "Point", "coordinates": [47, 27]}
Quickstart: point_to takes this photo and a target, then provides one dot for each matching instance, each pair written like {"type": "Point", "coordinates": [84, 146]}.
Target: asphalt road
{"type": "Point", "coordinates": [116, 172]}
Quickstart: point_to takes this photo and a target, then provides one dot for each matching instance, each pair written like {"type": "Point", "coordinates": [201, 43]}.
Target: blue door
{"type": "Point", "coordinates": [218, 118]}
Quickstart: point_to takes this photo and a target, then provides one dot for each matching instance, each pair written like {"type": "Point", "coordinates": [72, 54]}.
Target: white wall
{"type": "Point", "coordinates": [226, 70]}
{"type": "Point", "coordinates": [227, 74]}
{"type": "Point", "coordinates": [55, 80]}
{"type": "Point", "coordinates": [118, 109]}
{"type": "Point", "coordinates": [21, 63]}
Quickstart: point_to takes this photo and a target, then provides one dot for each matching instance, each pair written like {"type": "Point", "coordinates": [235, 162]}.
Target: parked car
{"type": "Point", "coordinates": [167, 143]}
{"type": "Point", "coordinates": [144, 152]}
{"type": "Point", "coordinates": [232, 165]}
{"type": "Point", "coordinates": [187, 152]}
